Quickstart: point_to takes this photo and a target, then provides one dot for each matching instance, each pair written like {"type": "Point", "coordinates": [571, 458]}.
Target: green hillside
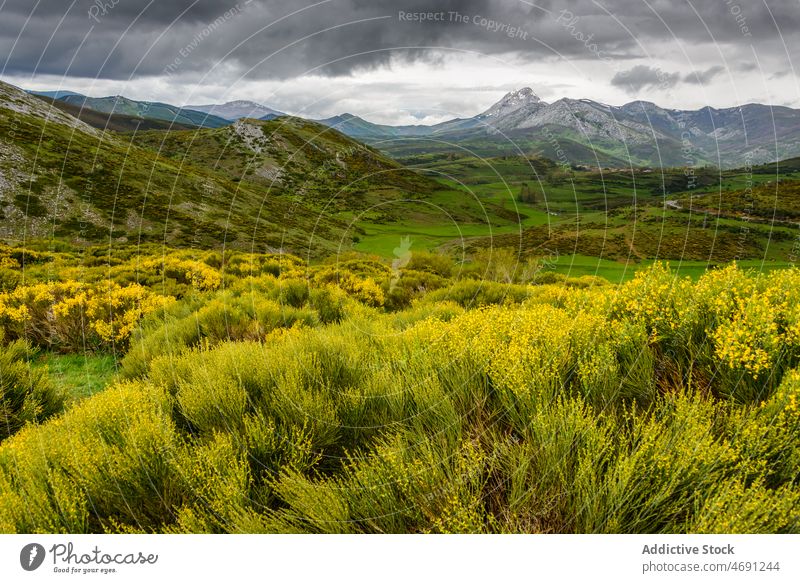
{"type": "Point", "coordinates": [294, 156]}
{"type": "Point", "coordinates": [629, 217]}
{"type": "Point", "coordinates": [146, 110]}
{"type": "Point", "coordinates": [293, 184]}
{"type": "Point", "coordinates": [113, 121]}
{"type": "Point", "coordinates": [77, 184]}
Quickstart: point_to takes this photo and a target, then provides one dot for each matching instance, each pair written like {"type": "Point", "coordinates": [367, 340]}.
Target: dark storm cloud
{"type": "Point", "coordinates": [124, 38]}
{"type": "Point", "coordinates": [703, 77]}
{"type": "Point", "coordinates": [642, 76]}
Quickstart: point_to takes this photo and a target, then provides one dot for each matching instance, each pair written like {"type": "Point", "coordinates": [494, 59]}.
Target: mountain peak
{"type": "Point", "coordinates": [519, 97]}
{"type": "Point", "coordinates": [233, 110]}
{"type": "Point", "coordinates": [525, 93]}
{"type": "Point", "coordinates": [513, 101]}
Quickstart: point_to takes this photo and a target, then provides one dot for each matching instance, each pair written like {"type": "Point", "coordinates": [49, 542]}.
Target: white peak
{"type": "Point", "coordinates": [513, 101]}
{"type": "Point", "coordinates": [525, 94]}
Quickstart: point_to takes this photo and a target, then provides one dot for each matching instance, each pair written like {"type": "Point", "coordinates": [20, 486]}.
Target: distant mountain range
{"type": "Point", "coordinates": [114, 121]}
{"type": "Point", "coordinates": [234, 110]}
{"type": "Point", "coordinates": [53, 94]}
{"type": "Point", "coordinates": [569, 131]}
{"type": "Point", "coordinates": [118, 104]}
{"type": "Point", "coordinates": [582, 131]}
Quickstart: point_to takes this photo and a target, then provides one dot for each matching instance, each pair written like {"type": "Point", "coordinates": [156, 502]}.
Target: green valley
{"type": "Point", "coordinates": [268, 326]}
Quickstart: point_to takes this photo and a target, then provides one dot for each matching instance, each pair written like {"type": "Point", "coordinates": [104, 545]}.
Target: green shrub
{"type": "Point", "coordinates": [441, 265]}
{"type": "Point", "coordinates": [472, 293]}
{"type": "Point", "coordinates": [26, 394]}
{"type": "Point", "coordinates": [209, 320]}
{"type": "Point", "coordinates": [9, 279]}
{"type": "Point", "coordinates": [108, 464]}
{"type": "Point", "coordinates": [548, 409]}
{"type": "Point", "coordinates": [408, 285]}
{"type": "Point", "coordinates": [329, 302]}
{"type": "Point", "coordinates": [294, 292]}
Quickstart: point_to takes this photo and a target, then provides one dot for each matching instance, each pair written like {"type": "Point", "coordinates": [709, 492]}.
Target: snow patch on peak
{"type": "Point", "coordinates": [513, 101]}
{"type": "Point", "coordinates": [524, 93]}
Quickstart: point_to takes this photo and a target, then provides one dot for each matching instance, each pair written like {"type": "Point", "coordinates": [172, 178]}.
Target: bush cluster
{"type": "Point", "coordinates": [289, 405]}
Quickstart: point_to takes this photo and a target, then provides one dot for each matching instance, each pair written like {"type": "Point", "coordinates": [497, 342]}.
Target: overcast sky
{"type": "Point", "coordinates": [398, 61]}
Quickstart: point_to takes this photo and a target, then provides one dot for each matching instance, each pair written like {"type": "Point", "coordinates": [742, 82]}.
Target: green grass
{"type": "Point", "coordinates": [79, 375]}
{"type": "Point", "coordinates": [383, 239]}
{"type": "Point", "coordinates": [622, 271]}
{"type": "Point", "coordinates": [610, 215]}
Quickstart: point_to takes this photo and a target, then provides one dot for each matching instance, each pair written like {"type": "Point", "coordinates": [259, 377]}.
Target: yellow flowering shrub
{"type": "Point", "coordinates": [657, 298]}
{"type": "Point", "coordinates": [300, 399]}
{"type": "Point", "coordinates": [76, 316]}
{"type": "Point", "coordinates": [108, 459]}
{"type": "Point", "coordinates": [731, 326]}
{"type": "Point", "coordinates": [362, 288]}
{"type": "Point", "coordinates": [8, 263]}
{"type": "Point", "coordinates": [741, 508]}
{"type": "Point", "coordinates": [255, 264]}
{"type": "Point", "coordinates": [197, 274]}
{"type": "Point", "coordinates": [751, 338]}
{"type": "Point", "coordinates": [757, 333]}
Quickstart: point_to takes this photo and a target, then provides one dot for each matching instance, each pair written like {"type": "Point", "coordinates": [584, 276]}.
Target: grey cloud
{"type": "Point", "coordinates": [641, 77]}
{"type": "Point", "coordinates": [703, 77]}
{"type": "Point", "coordinates": [129, 38]}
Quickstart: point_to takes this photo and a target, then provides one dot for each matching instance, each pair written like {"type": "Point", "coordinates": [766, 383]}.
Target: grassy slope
{"type": "Point", "coordinates": [94, 189]}
{"type": "Point", "coordinates": [291, 155]}
{"type": "Point", "coordinates": [330, 172]}
{"type": "Point", "coordinates": [614, 215]}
